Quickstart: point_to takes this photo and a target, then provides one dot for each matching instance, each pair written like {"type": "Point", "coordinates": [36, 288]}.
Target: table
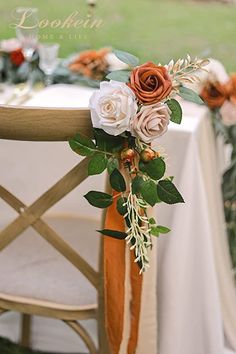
{"type": "Point", "coordinates": [196, 294]}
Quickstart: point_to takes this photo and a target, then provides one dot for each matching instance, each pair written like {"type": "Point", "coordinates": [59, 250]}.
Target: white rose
{"type": "Point", "coordinates": [112, 107]}
{"type": "Point", "coordinates": [9, 45]}
{"type": "Point", "coordinates": [151, 122]}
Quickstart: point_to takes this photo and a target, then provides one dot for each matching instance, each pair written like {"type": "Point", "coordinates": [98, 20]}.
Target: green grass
{"type": "Point", "coordinates": [152, 29]}
{"type": "Point", "coordinates": [7, 347]}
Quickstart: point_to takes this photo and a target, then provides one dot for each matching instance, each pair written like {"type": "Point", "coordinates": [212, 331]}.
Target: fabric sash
{"type": "Point", "coordinates": [114, 282]}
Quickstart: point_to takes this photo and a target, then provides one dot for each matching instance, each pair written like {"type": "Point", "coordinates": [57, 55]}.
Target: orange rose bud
{"type": "Point", "coordinates": [147, 155]}
{"type": "Point", "coordinates": [214, 94]}
{"type": "Point", "coordinates": [127, 155]}
{"type": "Point", "coordinates": [151, 83]}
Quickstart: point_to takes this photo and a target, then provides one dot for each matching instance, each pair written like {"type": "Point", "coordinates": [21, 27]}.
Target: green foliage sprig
{"type": "Point", "coordinates": [228, 180]}
{"type": "Point", "coordinates": [137, 175]}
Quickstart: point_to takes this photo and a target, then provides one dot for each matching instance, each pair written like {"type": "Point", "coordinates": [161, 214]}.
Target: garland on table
{"type": "Point", "coordinates": [88, 67]}
{"type": "Point", "coordinates": [13, 66]}
{"type": "Point", "coordinates": [91, 63]}
{"type": "Point", "coordinates": [128, 112]}
{"type": "Point", "coordinates": [221, 100]}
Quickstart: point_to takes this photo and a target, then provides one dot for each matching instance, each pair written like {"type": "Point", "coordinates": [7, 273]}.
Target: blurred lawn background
{"type": "Point", "coordinates": [152, 29]}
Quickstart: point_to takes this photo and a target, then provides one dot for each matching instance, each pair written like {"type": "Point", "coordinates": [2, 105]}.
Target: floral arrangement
{"type": "Point", "coordinates": [89, 67]}
{"type": "Point", "coordinates": [11, 55]}
{"type": "Point", "coordinates": [14, 68]}
{"type": "Point", "coordinates": [221, 100]}
{"type": "Point", "coordinates": [91, 63]}
{"type": "Point", "coordinates": [128, 112]}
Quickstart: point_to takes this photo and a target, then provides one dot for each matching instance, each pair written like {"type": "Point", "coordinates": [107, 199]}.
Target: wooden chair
{"type": "Point", "coordinates": [44, 124]}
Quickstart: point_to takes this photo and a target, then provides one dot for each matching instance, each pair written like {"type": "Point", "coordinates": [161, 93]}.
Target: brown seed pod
{"type": "Point", "coordinates": [147, 155]}
{"type": "Point", "coordinates": [127, 155]}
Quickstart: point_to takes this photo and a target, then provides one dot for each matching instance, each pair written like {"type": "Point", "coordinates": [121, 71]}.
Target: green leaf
{"type": "Point", "coordinates": [152, 221]}
{"type": "Point", "coordinates": [97, 164]}
{"type": "Point", "coordinates": [126, 58]}
{"type": "Point", "coordinates": [190, 95]}
{"type": "Point", "coordinates": [157, 230]}
{"type": "Point", "coordinates": [112, 164]}
{"type": "Point", "coordinates": [155, 168]}
{"type": "Point", "coordinates": [113, 233]}
{"type": "Point", "coordinates": [117, 181]}
{"type": "Point", "coordinates": [149, 192]}
{"type": "Point", "coordinates": [163, 229]}
{"type": "Point", "coordinates": [82, 145]}
{"type": "Point", "coordinates": [142, 166]}
{"type": "Point", "coordinates": [176, 111]}
{"type": "Point", "coordinates": [127, 222]}
{"type": "Point", "coordinates": [99, 199]}
{"type": "Point", "coordinates": [119, 75]}
{"type": "Point", "coordinates": [137, 184]}
{"type": "Point", "coordinates": [168, 193]}
{"type": "Point", "coordinates": [121, 208]}
{"type": "Point", "coordinates": [154, 231]}
{"type": "Point", "coordinates": [107, 142]}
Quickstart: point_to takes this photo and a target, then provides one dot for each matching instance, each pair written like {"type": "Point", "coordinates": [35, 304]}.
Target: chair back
{"type": "Point", "coordinates": [52, 124]}
{"type": "Point", "coordinates": [43, 124]}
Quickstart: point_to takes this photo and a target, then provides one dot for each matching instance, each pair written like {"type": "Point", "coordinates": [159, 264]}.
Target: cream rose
{"type": "Point", "coordinates": [151, 122]}
{"type": "Point", "coordinates": [112, 107]}
{"type": "Point", "coordinates": [228, 113]}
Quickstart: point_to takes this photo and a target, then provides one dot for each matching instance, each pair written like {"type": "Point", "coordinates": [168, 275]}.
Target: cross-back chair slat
{"type": "Point", "coordinates": [54, 239]}
{"type": "Point", "coordinates": [43, 124]}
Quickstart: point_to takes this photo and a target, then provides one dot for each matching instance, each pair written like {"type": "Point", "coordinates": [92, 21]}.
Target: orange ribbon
{"type": "Point", "coordinates": [114, 275]}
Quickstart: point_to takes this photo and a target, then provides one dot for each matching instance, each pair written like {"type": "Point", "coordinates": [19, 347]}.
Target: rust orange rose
{"type": "Point", "coordinates": [151, 83]}
{"type": "Point", "coordinates": [17, 57]}
{"type": "Point", "coordinates": [232, 88]}
{"type": "Point", "coordinates": [214, 94]}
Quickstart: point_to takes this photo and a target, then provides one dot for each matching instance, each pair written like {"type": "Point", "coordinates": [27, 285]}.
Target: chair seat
{"type": "Point", "coordinates": [32, 269]}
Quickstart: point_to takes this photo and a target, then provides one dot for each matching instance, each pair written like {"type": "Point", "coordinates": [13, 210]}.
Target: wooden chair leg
{"type": "Point", "coordinates": [102, 334]}
{"type": "Point", "coordinates": [83, 335]}
{"type": "Point", "coordinates": [26, 330]}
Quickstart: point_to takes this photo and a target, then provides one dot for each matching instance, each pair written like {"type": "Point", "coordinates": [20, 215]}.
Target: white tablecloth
{"type": "Point", "coordinates": [196, 294]}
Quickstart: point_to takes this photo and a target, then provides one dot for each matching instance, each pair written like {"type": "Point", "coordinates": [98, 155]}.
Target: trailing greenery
{"type": "Point", "coordinates": [146, 186]}
{"type": "Point", "coordinates": [228, 181]}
